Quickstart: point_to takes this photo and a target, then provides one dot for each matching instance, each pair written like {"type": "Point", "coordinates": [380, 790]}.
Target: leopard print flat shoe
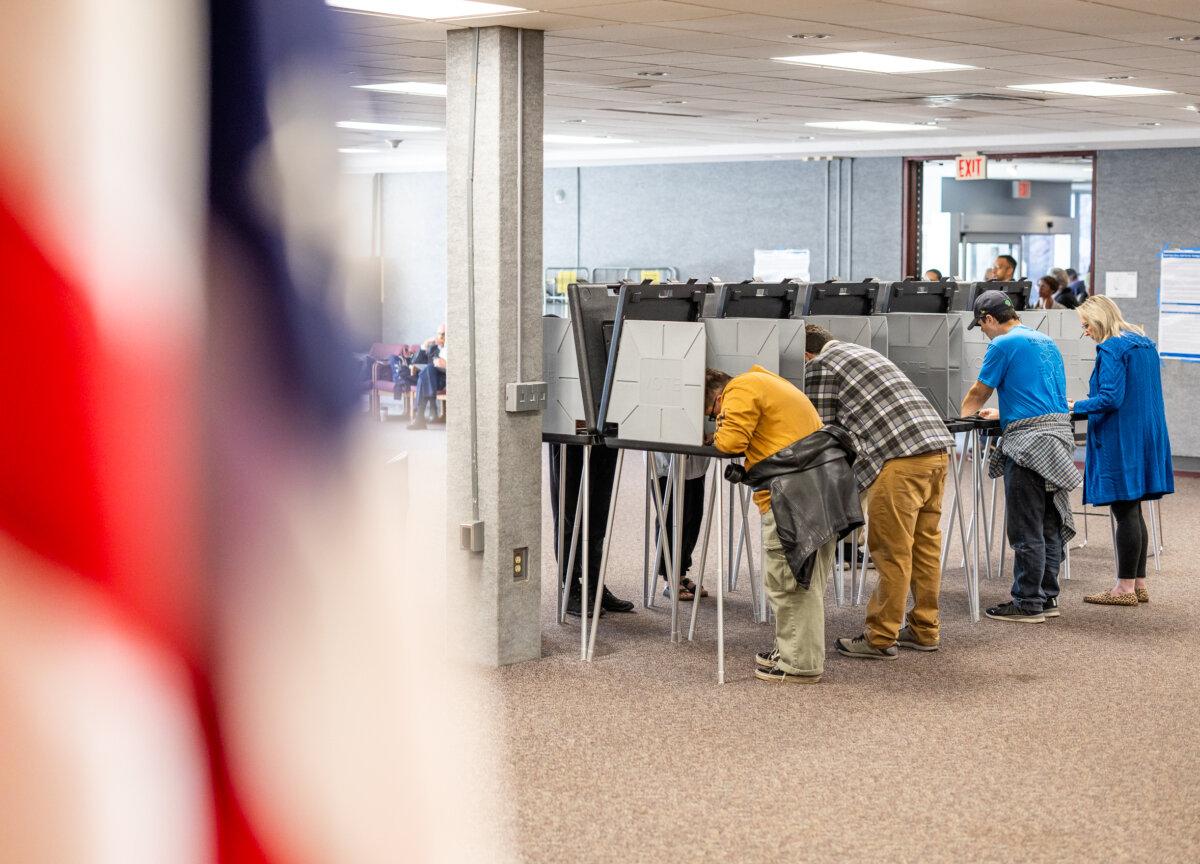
{"type": "Point", "coordinates": [1142, 594]}
{"type": "Point", "coordinates": [1107, 598]}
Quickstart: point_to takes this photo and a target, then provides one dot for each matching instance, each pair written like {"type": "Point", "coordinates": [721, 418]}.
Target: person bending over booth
{"type": "Point", "coordinates": [765, 418]}
{"type": "Point", "coordinates": [902, 446]}
{"type": "Point", "coordinates": [1036, 455]}
{"type": "Point", "coordinates": [1128, 457]}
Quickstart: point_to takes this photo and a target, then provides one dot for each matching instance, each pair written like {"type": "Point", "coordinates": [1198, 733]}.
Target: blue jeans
{"type": "Point", "coordinates": [1035, 534]}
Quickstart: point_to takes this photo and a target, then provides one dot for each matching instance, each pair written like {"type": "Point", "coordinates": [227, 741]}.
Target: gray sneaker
{"type": "Point", "coordinates": [860, 648]}
{"type": "Point", "coordinates": [907, 639]}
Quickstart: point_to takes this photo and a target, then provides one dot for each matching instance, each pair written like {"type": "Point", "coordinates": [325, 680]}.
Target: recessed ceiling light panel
{"type": "Point", "coordinates": [413, 88]}
{"type": "Point", "coordinates": [806, 36]}
{"type": "Point", "coordinates": [1091, 88]}
{"type": "Point", "coordinates": [866, 61]}
{"type": "Point", "coordinates": [363, 126]}
{"type": "Point", "coordinates": [871, 126]}
{"type": "Point", "coordinates": [425, 9]}
{"type": "Point", "coordinates": [585, 139]}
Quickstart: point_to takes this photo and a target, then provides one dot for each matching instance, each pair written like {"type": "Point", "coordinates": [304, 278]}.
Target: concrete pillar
{"type": "Point", "coordinates": [496, 611]}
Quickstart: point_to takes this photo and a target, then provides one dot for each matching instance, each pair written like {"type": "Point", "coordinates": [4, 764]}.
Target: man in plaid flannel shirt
{"type": "Point", "coordinates": [901, 468]}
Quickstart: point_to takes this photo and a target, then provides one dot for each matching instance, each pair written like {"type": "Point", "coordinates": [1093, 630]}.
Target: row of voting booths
{"type": "Point", "coordinates": [626, 370]}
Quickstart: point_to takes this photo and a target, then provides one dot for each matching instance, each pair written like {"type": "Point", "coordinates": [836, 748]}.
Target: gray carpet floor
{"type": "Point", "coordinates": [1073, 740]}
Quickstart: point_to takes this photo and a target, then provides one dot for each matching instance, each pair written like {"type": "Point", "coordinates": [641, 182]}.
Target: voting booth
{"type": "Point", "coordinates": [846, 309]}
{"type": "Point", "coordinates": [755, 322]}
{"type": "Point", "coordinates": [919, 339]}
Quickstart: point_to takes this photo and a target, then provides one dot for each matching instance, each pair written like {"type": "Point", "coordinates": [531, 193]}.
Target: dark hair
{"type": "Point", "coordinates": [1072, 273]}
{"type": "Point", "coordinates": [1003, 316]}
{"type": "Point", "coordinates": [815, 337]}
{"type": "Point", "coordinates": [1010, 259]}
{"type": "Point", "coordinates": [936, 271]}
{"type": "Point", "coordinates": [714, 384]}
{"type": "Point", "coordinates": [1051, 280]}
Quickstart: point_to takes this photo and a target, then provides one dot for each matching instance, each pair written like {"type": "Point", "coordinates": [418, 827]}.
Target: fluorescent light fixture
{"type": "Point", "coordinates": [1091, 88]}
{"type": "Point", "coordinates": [871, 126]}
{"type": "Point", "coordinates": [358, 150]}
{"type": "Point", "coordinates": [585, 139]}
{"type": "Point", "coordinates": [414, 88]}
{"type": "Point", "coordinates": [866, 61]}
{"type": "Point", "coordinates": [426, 9]}
{"type": "Point", "coordinates": [362, 126]}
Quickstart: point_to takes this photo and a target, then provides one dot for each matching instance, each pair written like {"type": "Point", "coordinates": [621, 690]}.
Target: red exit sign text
{"type": "Point", "coordinates": [971, 168]}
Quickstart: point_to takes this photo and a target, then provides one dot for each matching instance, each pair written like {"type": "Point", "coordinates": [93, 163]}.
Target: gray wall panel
{"type": "Point", "coordinates": [414, 249]}
{"type": "Point", "coordinates": [1145, 199]}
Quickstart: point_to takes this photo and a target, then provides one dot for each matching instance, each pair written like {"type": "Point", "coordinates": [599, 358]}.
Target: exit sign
{"type": "Point", "coordinates": [971, 166]}
{"type": "Point", "coordinates": [1022, 188]}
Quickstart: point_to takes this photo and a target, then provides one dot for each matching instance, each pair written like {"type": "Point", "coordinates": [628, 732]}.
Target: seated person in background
{"type": "Point", "coordinates": [758, 414]}
{"type": "Point", "coordinates": [1064, 297]}
{"type": "Point", "coordinates": [431, 378]}
{"type": "Point", "coordinates": [694, 469]}
{"type": "Point", "coordinates": [1076, 284]}
{"type": "Point", "coordinates": [1046, 288]}
{"type": "Point", "coordinates": [933, 275]}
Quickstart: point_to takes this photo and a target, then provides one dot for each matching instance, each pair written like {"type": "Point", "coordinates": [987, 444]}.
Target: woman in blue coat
{"type": "Point", "coordinates": [1128, 451]}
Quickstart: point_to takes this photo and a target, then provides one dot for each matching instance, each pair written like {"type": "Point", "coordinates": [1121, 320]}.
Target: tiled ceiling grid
{"type": "Point", "coordinates": [720, 87]}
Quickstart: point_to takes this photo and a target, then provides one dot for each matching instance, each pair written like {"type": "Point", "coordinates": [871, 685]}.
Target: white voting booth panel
{"type": "Point", "coordinates": [791, 351]}
{"type": "Point", "coordinates": [736, 344]}
{"type": "Point", "coordinates": [1078, 349]}
{"type": "Point", "coordinates": [658, 382]}
{"type": "Point", "coordinates": [973, 347]}
{"type": "Point", "coordinates": [564, 397]}
{"type": "Point", "coordinates": [919, 344]}
{"type": "Point", "coordinates": [859, 329]}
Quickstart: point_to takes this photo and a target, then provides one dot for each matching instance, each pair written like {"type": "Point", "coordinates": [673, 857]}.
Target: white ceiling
{"type": "Point", "coordinates": [741, 104]}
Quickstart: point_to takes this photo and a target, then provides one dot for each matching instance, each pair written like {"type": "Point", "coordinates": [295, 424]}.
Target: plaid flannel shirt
{"type": "Point", "coordinates": [863, 392]}
{"type": "Point", "coordinates": [1046, 446]}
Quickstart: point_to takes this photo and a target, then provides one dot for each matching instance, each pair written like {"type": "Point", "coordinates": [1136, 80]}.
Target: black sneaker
{"type": "Point", "coordinates": [777, 674]}
{"type": "Point", "coordinates": [766, 659]}
{"type": "Point", "coordinates": [1050, 608]}
{"type": "Point", "coordinates": [1012, 612]}
{"type": "Point", "coordinates": [610, 602]}
{"type": "Point", "coordinates": [573, 605]}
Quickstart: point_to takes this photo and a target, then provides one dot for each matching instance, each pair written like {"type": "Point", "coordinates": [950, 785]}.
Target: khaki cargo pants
{"type": "Point", "coordinates": [799, 613]}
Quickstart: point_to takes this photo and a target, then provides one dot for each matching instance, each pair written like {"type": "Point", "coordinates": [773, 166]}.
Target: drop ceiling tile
{"type": "Point", "coordinates": [647, 12]}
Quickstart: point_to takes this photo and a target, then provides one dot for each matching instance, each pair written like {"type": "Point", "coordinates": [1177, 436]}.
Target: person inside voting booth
{"type": "Point", "coordinates": [804, 488]}
{"type": "Point", "coordinates": [695, 467]}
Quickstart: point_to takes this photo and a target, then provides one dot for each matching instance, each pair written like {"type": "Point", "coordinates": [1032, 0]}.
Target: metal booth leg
{"type": "Point", "coordinates": [676, 545]}
{"type": "Point", "coordinates": [647, 580]}
{"type": "Point", "coordinates": [710, 516]}
{"type": "Point", "coordinates": [571, 553]}
{"type": "Point", "coordinates": [608, 533]}
{"type": "Point", "coordinates": [720, 484]}
{"type": "Point", "coordinates": [587, 514]}
{"type": "Point", "coordinates": [560, 533]}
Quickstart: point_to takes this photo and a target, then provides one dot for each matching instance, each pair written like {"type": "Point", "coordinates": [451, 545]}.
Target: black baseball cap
{"type": "Point", "coordinates": [989, 303]}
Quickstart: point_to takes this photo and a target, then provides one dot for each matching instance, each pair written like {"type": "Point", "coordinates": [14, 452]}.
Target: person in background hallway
{"type": "Point", "coordinates": [1076, 284]}
{"type": "Point", "coordinates": [758, 414]}
{"type": "Point", "coordinates": [1060, 276]}
{"type": "Point", "coordinates": [902, 446]}
{"type": "Point", "coordinates": [602, 469]}
{"type": "Point", "coordinates": [933, 275]}
{"type": "Point", "coordinates": [1004, 268]}
{"type": "Point", "coordinates": [1046, 288]}
{"type": "Point", "coordinates": [1036, 454]}
{"type": "Point", "coordinates": [431, 378]}
{"type": "Point", "coordinates": [1128, 457]}
{"type": "Point", "coordinates": [695, 467]}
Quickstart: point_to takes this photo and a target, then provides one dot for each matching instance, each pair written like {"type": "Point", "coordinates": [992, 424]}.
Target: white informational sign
{"type": "Point", "coordinates": [774, 265]}
{"type": "Point", "coordinates": [1120, 283]}
{"type": "Point", "coordinates": [1179, 304]}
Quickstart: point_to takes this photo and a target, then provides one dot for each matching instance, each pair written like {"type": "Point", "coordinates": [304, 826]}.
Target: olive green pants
{"type": "Point", "coordinates": [799, 613]}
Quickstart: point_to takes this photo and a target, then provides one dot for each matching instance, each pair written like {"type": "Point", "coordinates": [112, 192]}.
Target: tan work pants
{"type": "Point", "coordinates": [799, 613]}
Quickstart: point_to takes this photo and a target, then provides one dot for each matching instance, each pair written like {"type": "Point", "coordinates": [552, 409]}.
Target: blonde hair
{"type": "Point", "coordinates": [1103, 317]}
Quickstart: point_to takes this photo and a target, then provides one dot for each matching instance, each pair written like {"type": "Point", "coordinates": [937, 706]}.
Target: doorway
{"type": "Point", "coordinates": [1036, 208]}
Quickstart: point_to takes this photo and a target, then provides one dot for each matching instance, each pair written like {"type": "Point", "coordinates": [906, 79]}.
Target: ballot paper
{"type": "Point", "coordinates": [1120, 283]}
{"type": "Point", "coordinates": [775, 265]}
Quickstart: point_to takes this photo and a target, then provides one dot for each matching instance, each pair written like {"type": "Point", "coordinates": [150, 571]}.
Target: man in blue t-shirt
{"type": "Point", "coordinates": [1025, 370]}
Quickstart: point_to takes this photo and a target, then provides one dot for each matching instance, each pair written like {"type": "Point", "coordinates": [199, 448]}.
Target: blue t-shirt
{"type": "Point", "coordinates": [1025, 368]}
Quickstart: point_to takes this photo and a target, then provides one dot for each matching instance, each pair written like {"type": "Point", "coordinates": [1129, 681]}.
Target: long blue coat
{"type": "Point", "coordinates": [1128, 449]}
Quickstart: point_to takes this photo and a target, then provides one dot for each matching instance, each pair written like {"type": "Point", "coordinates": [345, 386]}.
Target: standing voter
{"type": "Point", "coordinates": [901, 468]}
{"type": "Point", "coordinates": [1036, 454]}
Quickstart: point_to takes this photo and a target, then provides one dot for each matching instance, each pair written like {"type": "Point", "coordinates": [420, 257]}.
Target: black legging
{"type": "Point", "coordinates": [1132, 539]}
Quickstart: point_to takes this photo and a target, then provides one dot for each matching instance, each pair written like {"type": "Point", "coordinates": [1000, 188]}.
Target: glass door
{"type": "Point", "coordinates": [978, 252]}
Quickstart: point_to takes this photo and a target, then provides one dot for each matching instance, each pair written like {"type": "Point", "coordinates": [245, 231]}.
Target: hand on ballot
{"type": "Point", "coordinates": [708, 438]}
{"type": "Point", "coordinates": [989, 414]}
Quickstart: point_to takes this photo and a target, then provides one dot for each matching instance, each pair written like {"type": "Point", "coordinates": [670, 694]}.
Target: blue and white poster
{"type": "Point", "coordinates": [1179, 304]}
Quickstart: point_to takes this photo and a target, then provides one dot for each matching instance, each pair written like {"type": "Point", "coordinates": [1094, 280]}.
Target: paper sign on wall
{"type": "Point", "coordinates": [1179, 304]}
{"type": "Point", "coordinates": [774, 265]}
{"type": "Point", "coordinates": [1120, 283]}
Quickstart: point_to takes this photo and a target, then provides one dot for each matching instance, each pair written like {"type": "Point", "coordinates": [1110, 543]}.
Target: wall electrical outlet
{"type": "Point", "coordinates": [521, 564]}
